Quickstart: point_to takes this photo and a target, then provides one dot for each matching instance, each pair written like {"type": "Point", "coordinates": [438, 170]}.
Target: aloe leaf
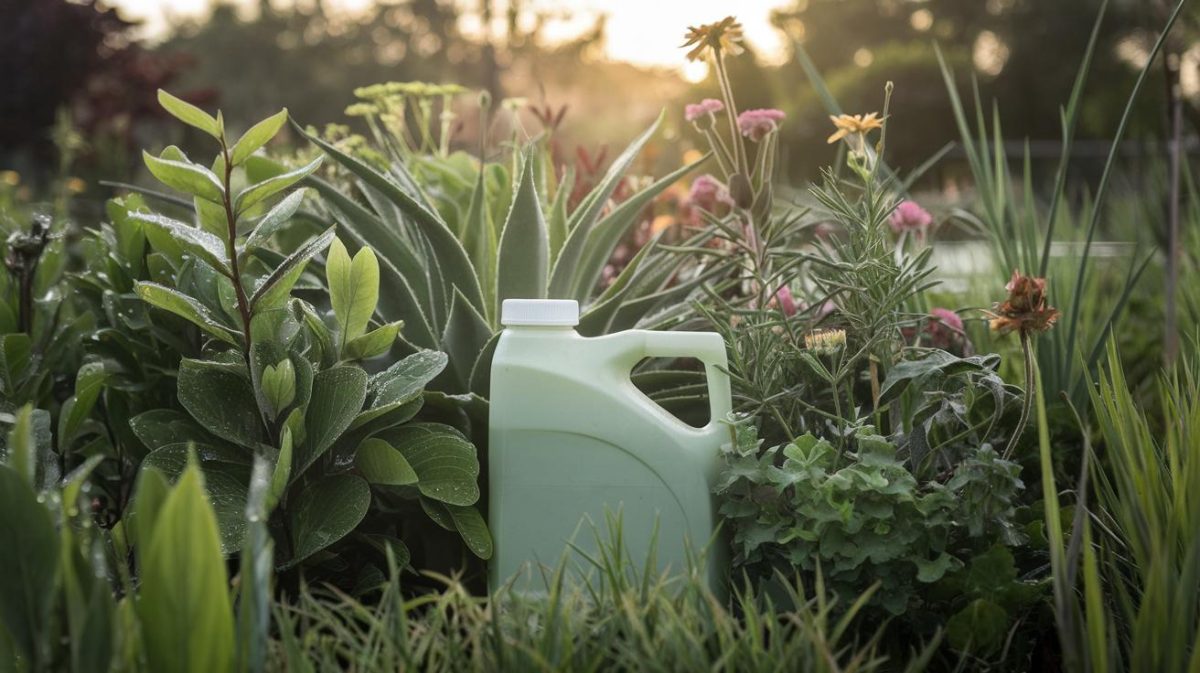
{"type": "Point", "coordinates": [479, 240]}
{"type": "Point", "coordinates": [609, 231]}
{"type": "Point", "coordinates": [403, 278]}
{"type": "Point", "coordinates": [465, 336]}
{"type": "Point", "coordinates": [581, 221]}
{"type": "Point", "coordinates": [522, 262]}
{"type": "Point", "coordinates": [453, 260]}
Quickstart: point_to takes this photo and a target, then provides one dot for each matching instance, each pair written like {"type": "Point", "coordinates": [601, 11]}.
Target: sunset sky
{"type": "Point", "coordinates": [646, 32]}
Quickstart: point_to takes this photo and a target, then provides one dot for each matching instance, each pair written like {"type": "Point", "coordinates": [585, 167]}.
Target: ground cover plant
{"type": "Point", "coordinates": [243, 412]}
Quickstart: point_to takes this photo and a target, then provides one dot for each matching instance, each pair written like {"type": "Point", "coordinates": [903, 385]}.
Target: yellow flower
{"type": "Point", "coordinates": [854, 124]}
{"type": "Point", "coordinates": [76, 185]}
{"type": "Point", "coordinates": [722, 36]}
{"type": "Point", "coordinates": [825, 342]}
{"type": "Point", "coordinates": [361, 110]}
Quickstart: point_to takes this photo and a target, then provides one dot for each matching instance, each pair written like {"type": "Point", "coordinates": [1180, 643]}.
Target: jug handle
{"type": "Point", "coordinates": [709, 348]}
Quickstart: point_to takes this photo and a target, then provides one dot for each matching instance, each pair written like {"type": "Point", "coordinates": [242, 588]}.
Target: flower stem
{"type": "Point", "coordinates": [1027, 404]}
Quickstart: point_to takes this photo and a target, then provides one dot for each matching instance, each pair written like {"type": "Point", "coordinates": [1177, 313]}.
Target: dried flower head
{"type": "Point", "coordinates": [756, 124]}
{"type": "Point", "coordinates": [708, 106]}
{"type": "Point", "coordinates": [825, 342]}
{"type": "Point", "coordinates": [910, 216]}
{"type": "Point", "coordinates": [859, 125]}
{"type": "Point", "coordinates": [724, 36]}
{"type": "Point", "coordinates": [1025, 310]}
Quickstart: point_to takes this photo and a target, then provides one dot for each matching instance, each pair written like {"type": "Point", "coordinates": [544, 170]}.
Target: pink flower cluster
{"type": "Point", "coordinates": [910, 216]}
{"type": "Point", "coordinates": [945, 331]}
{"type": "Point", "coordinates": [708, 106]}
{"type": "Point", "coordinates": [708, 193]}
{"type": "Point", "coordinates": [756, 124]}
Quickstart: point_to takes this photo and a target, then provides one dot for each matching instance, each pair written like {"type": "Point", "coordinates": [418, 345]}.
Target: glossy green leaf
{"type": "Point", "coordinates": [374, 343]}
{"type": "Point", "coordinates": [257, 136]}
{"type": "Point", "coordinates": [337, 397]}
{"type": "Point", "coordinates": [275, 289]}
{"type": "Point", "coordinates": [256, 193]}
{"type": "Point", "coordinates": [473, 529]}
{"type": "Point", "coordinates": [28, 564]}
{"type": "Point", "coordinates": [445, 462]}
{"type": "Point", "coordinates": [219, 397]}
{"type": "Point", "coordinates": [523, 262]}
{"type": "Point", "coordinates": [275, 218]}
{"type": "Point", "coordinates": [282, 473]}
{"type": "Point", "coordinates": [185, 177]}
{"type": "Point", "coordinates": [89, 381]}
{"type": "Point", "coordinates": [21, 450]}
{"type": "Point", "coordinates": [226, 483]}
{"type": "Point", "coordinates": [279, 385]}
{"type": "Point", "coordinates": [192, 241]}
{"type": "Point", "coordinates": [159, 427]}
{"type": "Point", "coordinates": [325, 512]}
{"type": "Point", "coordinates": [189, 114]}
{"type": "Point", "coordinates": [353, 288]}
{"type": "Point", "coordinates": [185, 307]}
{"type": "Point", "coordinates": [404, 380]}
{"type": "Point", "coordinates": [183, 601]}
{"type": "Point", "coordinates": [379, 463]}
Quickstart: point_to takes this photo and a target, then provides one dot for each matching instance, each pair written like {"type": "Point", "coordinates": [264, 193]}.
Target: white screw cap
{"type": "Point", "coordinates": [553, 312]}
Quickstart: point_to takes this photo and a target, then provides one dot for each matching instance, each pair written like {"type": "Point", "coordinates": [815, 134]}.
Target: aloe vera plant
{"type": "Point", "coordinates": [457, 236]}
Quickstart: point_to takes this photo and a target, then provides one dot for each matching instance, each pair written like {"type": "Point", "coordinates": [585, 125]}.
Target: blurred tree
{"type": "Point", "coordinates": [79, 56]}
{"type": "Point", "coordinates": [310, 59]}
{"type": "Point", "coordinates": [1023, 53]}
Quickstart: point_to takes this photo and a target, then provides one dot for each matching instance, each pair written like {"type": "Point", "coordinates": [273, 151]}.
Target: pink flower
{"type": "Point", "coordinates": [756, 124]}
{"type": "Point", "coordinates": [785, 301]}
{"type": "Point", "coordinates": [910, 216]}
{"type": "Point", "coordinates": [945, 331]}
{"type": "Point", "coordinates": [694, 111]}
{"type": "Point", "coordinates": [708, 193]}
{"type": "Point", "coordinates": [946, 317]}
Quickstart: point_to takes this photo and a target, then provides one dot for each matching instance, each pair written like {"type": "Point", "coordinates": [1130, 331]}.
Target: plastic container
{"type": "Point", "coordinates": [573, 443]}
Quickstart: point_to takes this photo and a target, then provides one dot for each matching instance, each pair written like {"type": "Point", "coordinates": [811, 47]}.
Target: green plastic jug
{"type": "Point", "coordinates": [573, 444]}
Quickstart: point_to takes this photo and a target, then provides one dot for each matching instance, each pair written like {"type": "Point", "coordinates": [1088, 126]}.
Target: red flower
{"type": "Point", "coordinates": [1026, 309]}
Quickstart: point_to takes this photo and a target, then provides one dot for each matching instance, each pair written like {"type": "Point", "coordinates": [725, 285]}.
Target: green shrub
{"type": "Point", "coordinates": [281, 377]}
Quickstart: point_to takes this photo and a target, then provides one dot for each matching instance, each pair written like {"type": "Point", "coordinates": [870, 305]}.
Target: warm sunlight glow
{"type": "Point", "coordinates": [643, 33]}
